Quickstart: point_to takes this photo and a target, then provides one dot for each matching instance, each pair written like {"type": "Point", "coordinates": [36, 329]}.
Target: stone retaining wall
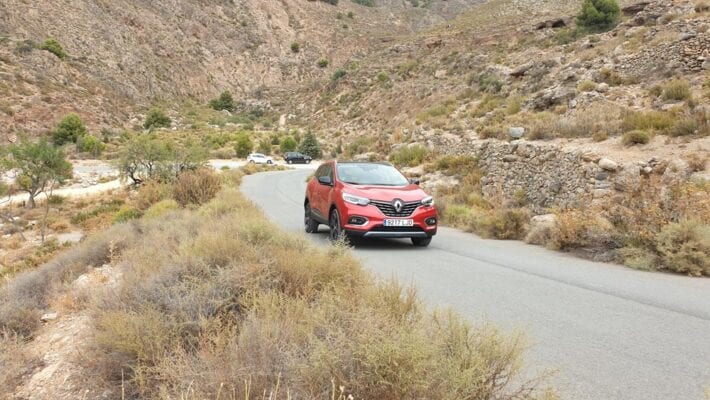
{"type": "Point", "coordinates": [550, 176]}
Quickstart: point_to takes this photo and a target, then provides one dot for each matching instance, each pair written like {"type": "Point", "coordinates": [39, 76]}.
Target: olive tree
{"type": "Point", "coordinates": [38, 167]}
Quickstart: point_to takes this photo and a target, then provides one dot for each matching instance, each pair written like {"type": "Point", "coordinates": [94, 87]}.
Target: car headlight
{"type": "Point", "coordinates": [428, 201]}
{"type": "Point", "coordinates": [352, 199]}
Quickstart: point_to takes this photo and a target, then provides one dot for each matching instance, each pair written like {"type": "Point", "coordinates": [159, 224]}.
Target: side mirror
{"type": "Point", "coordinates": [414, 181]}
{"type": "Point", "coordinates": [325, 180]}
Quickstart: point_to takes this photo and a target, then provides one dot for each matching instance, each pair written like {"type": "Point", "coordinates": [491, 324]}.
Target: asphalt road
{"type": "Point", "coordinates": [608, 331]}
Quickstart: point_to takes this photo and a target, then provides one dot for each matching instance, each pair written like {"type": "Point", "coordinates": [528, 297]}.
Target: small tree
{"type": "Point", "coordinates": [69, 129]}
{"type": "Point", "coordinates": [599, 14]}
{"type": "Point", "coordinates": [223, 102]}
{"type": "Point", "coordinates": [182, 157]}
{"type": "Point", "coordinates": [244, 145]}
{"type": "Point", "coordinates": [141, 157]}
{"type": "Point", "coordinates": [157, 119]}
{"type": "Point", "coordinates": [310, 146]}
{"type": "Point", "coordinates": [288, 144]}
{"type": "Point", "coordinates": [39, 167]}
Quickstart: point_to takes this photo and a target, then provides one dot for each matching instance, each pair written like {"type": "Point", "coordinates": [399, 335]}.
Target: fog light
{"type": "Point", "coordinates": [430, 221]}
{"type": "Point", "coordinates": [357, 220]}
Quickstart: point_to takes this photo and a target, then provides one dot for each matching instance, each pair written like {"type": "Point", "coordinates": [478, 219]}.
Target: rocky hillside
{"type": "Point", "coordinates": [121, 56]}
{"type": "Point", "coordinates": [523, 63]}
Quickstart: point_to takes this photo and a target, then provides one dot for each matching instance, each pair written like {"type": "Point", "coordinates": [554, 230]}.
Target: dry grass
{"type": "Point", "coordinates": [26, 296]}
{"type": "Point", "coordinates": [15, 363]}
{"type": "Point", "coordinates": [218, 302]}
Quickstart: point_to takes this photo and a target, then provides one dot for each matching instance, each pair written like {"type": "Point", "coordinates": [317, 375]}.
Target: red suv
{"type": "Point", "coordinates": [370, 200]}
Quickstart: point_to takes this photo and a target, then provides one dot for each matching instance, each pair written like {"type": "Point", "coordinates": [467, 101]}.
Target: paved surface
{"type": "Point", "coordinates": [610, 332]}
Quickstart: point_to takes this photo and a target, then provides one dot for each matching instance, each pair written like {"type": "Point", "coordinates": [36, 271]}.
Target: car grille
{"type": "Point", "coordinates": [388, 209]}
{"type": "Point", "coordinates": [382, 228]}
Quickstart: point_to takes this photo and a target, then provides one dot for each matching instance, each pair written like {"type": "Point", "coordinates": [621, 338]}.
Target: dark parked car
{"type": "Point", "coordinates": [294, 157]}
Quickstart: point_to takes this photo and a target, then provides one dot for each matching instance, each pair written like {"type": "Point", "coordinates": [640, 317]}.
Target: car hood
{"type": "Point", "coordinates": [387, 193]}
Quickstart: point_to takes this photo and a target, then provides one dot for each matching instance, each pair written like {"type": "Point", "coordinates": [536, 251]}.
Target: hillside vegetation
{"type": "Point", "coordinates": [213, 300]}
{"type": "Point", "coordinates": [110, 59]}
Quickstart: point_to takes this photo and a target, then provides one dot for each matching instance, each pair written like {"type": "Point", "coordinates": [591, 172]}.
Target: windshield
{"type": "Point", "coordinates": [370, 174]}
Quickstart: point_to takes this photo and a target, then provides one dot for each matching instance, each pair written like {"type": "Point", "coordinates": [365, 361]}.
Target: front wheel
{"type": "Point", "coordinates": [308, 161]}
{"type": "Point", "coordinates": [289, 161]}
{"type": "Point", "coordinates": [310, 223]}
{"type": "Point", "coordinates": [252, 162]}
{"type": "Point", "coordinates": [419, 242]}
{"type": "Point", "coordinates": [336, 230]}
{"type": "Point", "coordinates": [269, 162]}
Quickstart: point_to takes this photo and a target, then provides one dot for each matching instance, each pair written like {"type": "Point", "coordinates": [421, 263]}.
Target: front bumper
{"type": "Point", "coordinates": [374, 226]}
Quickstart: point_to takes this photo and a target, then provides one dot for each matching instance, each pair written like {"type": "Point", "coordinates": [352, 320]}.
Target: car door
{"type": "Point", "coordinates": [321, 192]}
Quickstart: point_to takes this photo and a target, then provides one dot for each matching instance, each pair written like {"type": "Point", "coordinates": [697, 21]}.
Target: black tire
{"type": "Point", "coordinates": [308, 161]}
{"type": "Point", "coordinates": [269, 162]}
{"type": "Point", "coordinates": [336, 230]}
{"type": "Point", "coordinates": [289, 161]}
{"type": "Point", "coordinates": [251, 162]}
{"type": "Point", "coordinates": [310, 223]}
{"type": "Point", "coordinates": [419, 242]}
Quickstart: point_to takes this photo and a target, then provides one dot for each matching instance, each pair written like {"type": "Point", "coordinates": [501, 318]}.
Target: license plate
{"type": "Point", "coordinates": [399, 222]}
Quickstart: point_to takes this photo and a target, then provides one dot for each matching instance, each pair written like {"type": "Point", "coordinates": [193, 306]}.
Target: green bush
{"type": "Point", "coordinates": [323, 63]}
{"type": "Point", "coordinates": [636, 137]}
{"type": "Point", "coordinates": [223, 102]}
{"type": "Point", "coordinates": [599, 15]}
{"type": "Point", "coordinates": [333, 2]}
{"type": "Point", "coordinates": [91, 144]}
{"type": "Point", "coordinates": [157, 119]}
{"type": "Point", "coordinates": [161, 208]}
{"type": "Point", "coordinates": [54, 47]}
{"type": "Point", "coordinates": [677, 89]}
{"type": "Point", "coordinates": [69, 129]}
{"type": "Point", "coordinates": [295, 47]}
{"type": "Point", "coordinates": [409, 156]}
{"type": "Point", "coordinates": [489, 83]}
{"type": "Point", "coordinates": [338, 74]}
{"type": "Point", "coordinates": [126, 214]}
{"type": "Point", "coordinates": [243, 145]}
{"type": "Point", "coordinates": [288, 144]}
{"type": "Point", "coordinates": [366, 3]}
{"type": "Point", "coordinates": [685, 247]}
{"type": "Point", "coordinates": [382, 77]}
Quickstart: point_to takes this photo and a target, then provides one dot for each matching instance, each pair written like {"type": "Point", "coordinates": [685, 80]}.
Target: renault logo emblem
{"type": "Point", "coordinates": [398, 205]}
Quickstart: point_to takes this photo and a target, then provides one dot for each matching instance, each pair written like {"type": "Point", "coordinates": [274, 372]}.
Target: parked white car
{"type": "Point", "coordinates": [258, 158]}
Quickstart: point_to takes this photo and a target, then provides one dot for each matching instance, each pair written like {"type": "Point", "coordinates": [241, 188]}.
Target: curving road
{"type": "Point", "coordinates": [609, 332]}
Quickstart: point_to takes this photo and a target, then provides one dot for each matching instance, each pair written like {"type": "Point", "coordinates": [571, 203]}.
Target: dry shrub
{"type": "Point", "coordinates": [635, 137]}
{"type": "Point", "coordinates": [677, 89]}
{"type": "Point", "coordinates": [697, 162]}
{"type": "Point", "coordinates": [586, 86]}
{"type": "Point", "coordinates": [218, 301]}
{"type": "Point", "coordinates": [196, 187]}
{"type": "Point", "coordinates": [648, 121]}
{"type": "Point", "coordinates": [503, 224]}
{"type": "Point", "coordinates": [24, 298]}
{"type": "Point", "coordinates": [638, 258]}
{"type": "Point", "coordinates": [152, 192]}
{"type": "Point", "coordinates": [15, 363]}
{"type": "Point", "coordinates": [685, 247]}
{"type": "Point", "coordinates": [579, 229]}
